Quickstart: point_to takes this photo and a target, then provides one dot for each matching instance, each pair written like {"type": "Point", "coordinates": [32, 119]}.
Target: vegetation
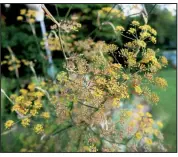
{"type": "Point", "coordinates": [71, 107]}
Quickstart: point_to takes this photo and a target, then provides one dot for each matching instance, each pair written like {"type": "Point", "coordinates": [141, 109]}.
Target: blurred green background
{"type": "Point", "coordinates": [19, 37]}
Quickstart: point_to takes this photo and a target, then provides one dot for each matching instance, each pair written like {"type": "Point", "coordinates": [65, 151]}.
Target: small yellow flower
{"type": "Point", "coordinates": [151, 121]}
{"type": "Point", "coordinates": [19, 99]}
{"type": "Point", "coordinates": [148, 114]}
{"type": "Point", "coordinates": [38, 128]}
{"type": "Point", "coordinates": [31, 20]}
{"type": "Point", "coordinates": [45, 115]}
{"type": "Point", "coordinates": [141, 114]}
{"type": "Point", "coordinates": [156, 132]}
{"type": "Point", "coordinates": [25, 122]}
{"type": "Point", "coordinates": [15, 107]}
{"type": "Point", "coordinates": [128, 113]}
{"type": "Point", "coordinates": [116, 102]}
{"type": "Point", "coordinates": [154, 98]}
{"type": "Point", "coordinates": [148, 141]}
{"type": "Point", "coordinates": [43, 83]}
{"type": "Point", "coordinates": [31, 87]}
{"type": "Point", "coordinates": [19, 18]}
{"type": "Point", "coordinates": [22, 11]}
{"type": "Point", "coordinates": [11, 68]}
{"type": "Point", "coordinates": [153, 40]}
{"type": "Point", "coordinates": [31, 13]}
{"type": "Point", "coordinates": [135, 23]}
{"type": "Point", "coordinates": [161, 82]}
{"type": "Point", "coordinates": [39, 94]}
{"type": "Point", "coordinates": [23, 91]}
{"type": "Point", "coordinates": [132, 30]}
{"type": "Point", "coordinates": [37, 104]}
{"type": "Point", "coordinates": [148, 130]}
{"type": "Point", "coordinates": [138, 135]}
{"type": "Point", "coordinates": [8, 124]}
{"type": "Point", "coordinates": [153, 31]}
{"type": "Point", "coordinates": [97, 92]}
{"type": "Point", "coordinates": [142, 125]}
{"type": "Point", "coordinates": [139, 106]}
{"type": "Point", "coordinates": [120, 28]}
{"type": "Point", "coordinates": [33, 112]}
{"type": "Point", "coordinates": [160, 124]}
{"type": "Point", "coordinates": [138, 90]}
{"type": "Point", "coordinates": [125, 76]}
{"type": "Point", "coordinates": [100, 81]}
{"type": "Point", "coordinates": [27, 103]}
{"type": "Point", "coordinates": [164, 60]}
{"type": "Point", "coordinates": [132, 123]}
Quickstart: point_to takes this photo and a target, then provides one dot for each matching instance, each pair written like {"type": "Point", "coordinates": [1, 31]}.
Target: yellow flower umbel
{"type": "Point", "coordinates": [23, 11]}
{"type": "Point", "coordinates": [116, 102]}
{"type": "Point", "coordinates": [31, 20]}
{"type": "Point", "coordinates": [138, 90]}
{"type": "Point", "coordinates": [38, 128]}
{"type": "Point", "coordinates": [160, 124]}
{"type": "Point", "coordinates": [19, 18]}
{"type": "Point", "coordinates": [163, 60]}
{"type": "Point", "coordinates": [153, 40]}
{"type": "Point", "coordinates": [154, 98]}
{"type": "Point", "coordinates": [31, 87]}
{"type": "Point", "coordinates": [37, 104]}
{"type": "Point", "coordinates": [120, 28]}
{"type": "Point", "coordinates": [138, 135]}
{"type": "Point", "coordinates": [25, 122]}
{"type": "Point", "coordinates": [8, 124]}
{"type": "Point", "coordinates": [161, 82]}
{"type": "Point", "coordinates": [33, 112]}
{"type": "Point", "coordinates": [23, 91]}
{"type": "Point", "coordinates": [148, 114]}
{"type": "Point", "coordinates": [11, 68]}
{"type": "Point", "coordinates": [140, 107]}
{"type": "Point", "coordinates": [148, 141]}
{"type": "Point", "coordinates": [39, 94]}
{"type": "Point", "coordinates": [132, 31]}
{"type": "Point", "coordinates": [135, 23]}
{"type": "Point", "coordinates": [45, 115]}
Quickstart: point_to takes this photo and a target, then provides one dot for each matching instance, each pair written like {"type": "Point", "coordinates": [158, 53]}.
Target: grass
{"type": "Point", "coordinates": [166, 109]}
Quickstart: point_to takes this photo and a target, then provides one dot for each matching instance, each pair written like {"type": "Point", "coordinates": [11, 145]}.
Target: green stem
{"type": "Point", "coordinates": [2, 91]}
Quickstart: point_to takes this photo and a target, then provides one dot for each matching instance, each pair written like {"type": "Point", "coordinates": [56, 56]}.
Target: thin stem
{"type": "Point", "coordinates": [105, 17]}
{"type": "Point", "coordinates": [13, 59]}
{"type": "Point", "coordinates": [44, 91]}
{"type": "Point", "coordinates": [88, 106]}
{"type": "Point", "coordinates": [2, 91]}
{"type": "Point", "coordinates": [127, 37]}
{"type": "Point", "coordinates": [60, 39]}
{"type": "Point", "coordinates": [33, 70]}
{"type": "Point", "coordinates": [61, 130]}
{"type": "Point", "coordinates": [67, 14]}
{"type": "Point", "coordinates": [57, 12]}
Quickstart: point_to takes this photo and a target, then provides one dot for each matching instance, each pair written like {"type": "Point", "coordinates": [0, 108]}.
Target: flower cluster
{"type": "Point", "coordinates": [67, 26]}
{"type": "Point", "coordinates": [28, 15]}
{"type": "Point", "coordinates": [113, 12]}
{"type": "Point", "coordinates": [28, 105]}
{"type": "Point", "coordinates": [9, 124]}
{"type": "Point", "coordinates": [14, 63]}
